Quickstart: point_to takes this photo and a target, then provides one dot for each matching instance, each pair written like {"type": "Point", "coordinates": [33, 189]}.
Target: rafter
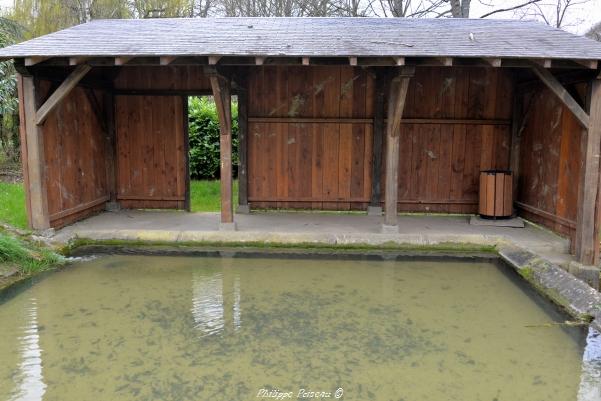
{"type": "Point", "coordinates": [61, 92]}
{"type": "Point", "coordinates": [556, 87]}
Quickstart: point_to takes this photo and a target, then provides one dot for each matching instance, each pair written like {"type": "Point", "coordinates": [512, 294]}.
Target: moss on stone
{"type": "Point", "coordinates": [447, 247]}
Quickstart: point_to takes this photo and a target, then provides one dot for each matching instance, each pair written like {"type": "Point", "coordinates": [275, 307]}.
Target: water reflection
{"type": "Point", "coordinates": [207, 302]}
{"type": "Point", "coordinates": [392, 330]}
{"type": "Point", "coordinates": [29, 380]}
{"type": "Point", "coordinates": [590, 381]}
{"type": "Point", "coordinates": [237, 320]}
{"type": "Point", "coordinates": [215, 301]}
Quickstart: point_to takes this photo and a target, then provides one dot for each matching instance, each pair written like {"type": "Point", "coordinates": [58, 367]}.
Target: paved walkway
{"type": "Point", "coordinates": [304, 227]}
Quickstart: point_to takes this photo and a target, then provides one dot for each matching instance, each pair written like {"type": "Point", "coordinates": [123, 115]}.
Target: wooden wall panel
{"type": "Point", "coordinates": [550, 162]}
{"type": "Point", "coordinates": [75, 153]}
{"type": "Point", "coordinates": [151, 160]}
{"type": "Point", "coordinates": [315, 164]}
{"type": "Point", "coordinates": [326, 164]}
{"type": "Point", "coordinates": [183, 77]}
{"type": "Point", "coordinates": [440, 162]}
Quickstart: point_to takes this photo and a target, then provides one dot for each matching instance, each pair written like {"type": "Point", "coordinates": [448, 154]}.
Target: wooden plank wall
{"type": "Point", "coordinates": [151, 159]}
{"type": "Point", "coordinates": [75, 152]}
{"type": "Point", "coordinates": [550, 162]}
{"type": "Point", "coordinates": [150, 131]}
{"type": "Point", "coordinates": [320, 165]}
{"type": "Point", "coordinates": [326, 164]}
{"type": "Point", "coordinates": [440, 162]}
{"type": "Point", "coordinates": [182, 78]}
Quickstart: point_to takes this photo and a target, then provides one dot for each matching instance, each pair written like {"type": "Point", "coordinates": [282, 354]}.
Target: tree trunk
{"type": "Point", "coordinates": [460, 8]}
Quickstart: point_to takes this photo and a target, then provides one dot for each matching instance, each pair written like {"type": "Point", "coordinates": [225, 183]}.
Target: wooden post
{"type": "Point", "coordinates": [516, 138]}
{"type": "Point", "coordinates": [221, 87]}
{"type": "Point", "coordinates": [375, 203]}
{"type": "Point", "coordinates": [32, 153]}
{"type": "Point", "coordinates": [186, 120]}
{"type": "Point", "coordinates": [243, 206]}
{"type": "Point", "coordinates": [111, 150]}
{"type": "Point", "coordinates": [587, 226]}
{"type": "Point", "coordinates": [396, 104]}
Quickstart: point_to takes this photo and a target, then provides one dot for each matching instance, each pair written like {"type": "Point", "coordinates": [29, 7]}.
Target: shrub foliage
{"type": "Point", "coordinates": [203, 132]}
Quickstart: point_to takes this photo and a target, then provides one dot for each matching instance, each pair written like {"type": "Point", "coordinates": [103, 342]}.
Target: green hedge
{"type": "Point", "coordinates": [203, 131]}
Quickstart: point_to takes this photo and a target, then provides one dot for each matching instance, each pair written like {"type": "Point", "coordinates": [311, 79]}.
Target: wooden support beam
{"type": "Point", "coordinates": [444, 61]}
{"type": "Point", "coordinates": [400, 61]}
{"type": "Point", "coordinates": [544, 63]}
{"type": "Point", "coordinates": [561, 92]}
{"type": "Point", "coordinates": [122, 60]}
{"type": "Point", "coordinates": [77, 60]}
{"type": "Point", "coordinates": [396, 104]}
{"type": "Point", "coordinates": [214, 60]}
{"type": "Point", "coordinates": [352, 61]}
{"type": "Point", "coordinates": [306, 60]}
{"type": "Point", "coordinates": [111, 146]}
{"type": "Point", "coordinates": [493, 62]}
{"type": "Point", "coordinates": [61, 92]}
{"type": "Point", "coordinates": [242, 93]}
{"type": "Point", "coordinates": [33, 155]}
{"type": "Point", "coordinates": [222, 94]}
{"type": "Point", "coordinates": [590, 64]}
{"type": "Point", "coordinates": [23, 139]}
{"type": "Point", "coordinates": [29, 61]}
{"type": "Point", "coordinates": [587, 225]}
{"type": "Point", "coordinates": [516, 139]}
{"type": "Point", "coordinates": [186, 122]}
{"type": "Point", "coordinates": [378, 140]}
{"type": "Point", "coordinates": [166, 60]}
{"type": "Point", "coordinates": [259, 60]}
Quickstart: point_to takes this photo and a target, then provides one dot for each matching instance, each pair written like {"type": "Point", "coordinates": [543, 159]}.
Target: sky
{"type": "Point", "coordinates": [581, 17]}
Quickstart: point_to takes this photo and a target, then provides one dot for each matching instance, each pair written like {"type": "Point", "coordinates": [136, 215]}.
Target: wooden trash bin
{"type": "Point", "coordinates": [496, 194]}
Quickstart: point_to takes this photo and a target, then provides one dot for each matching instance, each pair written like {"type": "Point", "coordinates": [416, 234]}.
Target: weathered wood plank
{"type": "Point", "coordinates": [36, 192]}
{"type": "Point", "coordinates": [166, 60]}
{"type": "Point", "coordinates": [59, 94]}
{"type": "Point", "coordinates": [556, 87]}
{"type": "Point", "coordinates": [378, 140]}
{"type": "Point", "coordinates": [122, 60]}
{"type": "Point", "coordinates": [587, 226]}
{"type": "Point", "coordinates": [222, 94]}
{"type": "Point", "coordinates": [111, 146]}
{"type": "Point", "coordinates": [29, 61]}
{"type": "Point", "coordinates": [243, 143]}
{"type": "Point", "coordinates": [396, 103]}
{"type": "Point", "coordinates": [23, 145]}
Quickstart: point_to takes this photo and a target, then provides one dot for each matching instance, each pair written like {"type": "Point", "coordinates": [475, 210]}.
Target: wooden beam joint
{"type": "Point", "coordinates": [556, 87]}
{"type": "Point", "coordinates": [61, 92]}
{"type": "Point", "coordinates": [166, 60]}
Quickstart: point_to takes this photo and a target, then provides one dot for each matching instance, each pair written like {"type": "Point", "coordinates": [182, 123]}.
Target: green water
{"type": "Point", "coordinates": [199, 328]}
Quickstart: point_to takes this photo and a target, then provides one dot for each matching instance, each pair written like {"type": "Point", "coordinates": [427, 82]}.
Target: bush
{"type": "Point", "coordinates": [203, 132]}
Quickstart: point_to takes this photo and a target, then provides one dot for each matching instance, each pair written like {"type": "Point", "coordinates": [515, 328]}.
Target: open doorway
{"type": "Point", "coordinates": [203, 153]}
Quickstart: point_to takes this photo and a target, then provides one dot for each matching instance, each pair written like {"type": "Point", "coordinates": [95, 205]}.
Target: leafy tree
{"type": "Point", "coordinates": [10, 33]}
{"type": "Point", "coordinates": [40, 17]}
{"type": "Point", "coordinates": [203, 133]}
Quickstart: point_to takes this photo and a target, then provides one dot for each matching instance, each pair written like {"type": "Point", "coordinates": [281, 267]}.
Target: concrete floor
{"type": "Point", "coordinates": [305, 227]}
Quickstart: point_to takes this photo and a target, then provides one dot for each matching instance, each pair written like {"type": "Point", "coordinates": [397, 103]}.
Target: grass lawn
{"type": "Point", "coordinates": [26, 257]}
{"type": "Point", "coordinates": [12, 205]}
{"type": "Point", "coordinates": [204, 197]}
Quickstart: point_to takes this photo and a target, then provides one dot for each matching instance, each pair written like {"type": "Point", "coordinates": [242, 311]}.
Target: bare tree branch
{"type": "Point", "coordinates": [500, 10]}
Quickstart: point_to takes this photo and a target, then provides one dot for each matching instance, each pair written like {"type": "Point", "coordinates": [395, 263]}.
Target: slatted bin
{"type": "Point", "coordinates": [496, 194]}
